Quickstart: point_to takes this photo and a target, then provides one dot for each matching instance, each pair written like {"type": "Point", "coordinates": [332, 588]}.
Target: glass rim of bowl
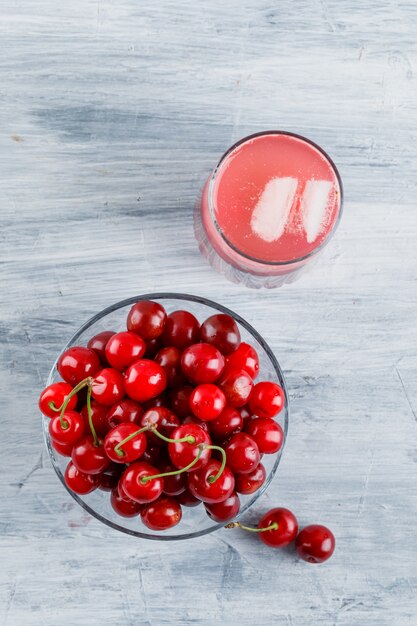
{"type": "Point", "coordinates": [187, 298]}
{"type": "Point", "coordinates": [219, 230]}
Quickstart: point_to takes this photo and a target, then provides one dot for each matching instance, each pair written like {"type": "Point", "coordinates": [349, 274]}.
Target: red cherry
{"type": "Point", "coordinates": [180, 401]}
{"type": "Point", "coordinates": [147, 318]}
{"type": "Point", "coordinates": [98, 344]}
{"type": "Point", "coordinates": [227, 424]}
{"type": "Point", "coordinates": [162, 514]}
{"type": "Point", "coordinates": [249, 483]}
{"type": "Point", "coordinates": [315, 543]}
{"type": "Point", "coordinates": [182, 453]}
{"type": "Point", "coordinates": [135, 489]}
{"type": "Point", "coordinates": [124, 411]}
{"type": "Point", "coordinates": [201, 487]}
{"type": "Point", "coordinates": [64, 449]}
{"type": "Point", "coordinates": [207, 402]}
{"type": "Point", "coordinates": [79, 482]}
{"type": "Point", "coordinates": [123, 349]}
{"type": "Point", "coordinates": [192, 419]}
{"type": "Point", "coordinates": [182, 329]}
{"type": "Point", "coordinates": [163, 420]}
{"type": "Point", "coordinates": [202, 363]}
{"type": "Point", "coordinates": [107, 387]}
{"type": "Point", "coordinates": [124, 506]}
{"type": "Point", "coordinates": [267, 399]}
{"type": "Point", "coordinates": [224, 511]}
{"type": "Point", "coordinates": [152, 347]}
{"type": "Point", "coordinates": [237, 386]}
{"type": "Point", "coordinates": [77, 363]}
{"type": "Point", "coordinates": [99, 418]}
{"type": "Point", "coordinates": [221, 331]}
{"type": "Point", "coordinates": [56, 393]}
{"type": "Point", "coordinates": [173, 485]}
{"type": "Point", "coordinates": [144, 380]}
{"type": "Point", "coordinates": [242, 454]}
{"type": "Point", "coordinates": [170, 360]}
{"type": "Point", "coordinates": [246, 415]}
{"type": "Point", "coordinates": [244, 358]}
{"type": "Point", "coordinates": [285, 532]}
{"type": "Point", "coordinates": [152, 454]}
{"type": "Point", "coordinates": [70, 430]}
{"type": "Point", "coordinates": [89, 458]}
{"type": "Point", "coordinates": [131, 450]}
{"type": "Point", "coordinates": [267, 433]}
{"type": "Point", "coordinates": [186, 498]}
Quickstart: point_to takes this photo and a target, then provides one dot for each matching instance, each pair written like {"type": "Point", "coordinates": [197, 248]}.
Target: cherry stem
{"type": "Point", "coordinates": [212, 479]}
{"type": "Point", "coordinates": [63, 408]}
{"type": "Point", "coordinates": [146, 479]}
{"type": "Point", "coordinates": [90, 417]}
{"type": "Point", "coordinates": [187, 439]}
{"type": "Point", "coordinates": [118, 448]}
{"type": "Point", "coordinates": [273, 526]}
{"type": "Point", "coordinates": [52, 406]}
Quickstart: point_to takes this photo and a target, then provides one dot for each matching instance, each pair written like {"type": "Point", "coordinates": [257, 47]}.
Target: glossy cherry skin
{"type": "Point", "coordinates": [242, 454]}
{"type": "Point", "coordinates": [136, 490]}
{"type": "Point", "coordinates": [286, 531]}
{"type": "Point", "coordinates": [183, 453]}
{"type": "Point", "coordinates": [226, 510]}
{"type": "Point", "coordinates": [162, 514]}
{"type": "Point", "coordinates": [244, 358]}
{"type": "Point", "coordinates": [144, 380]}
{"type": "Point", "coordinates": [267, 399]}
{"type": "Point", "coordinates": [73, 428]}
{"type": "Point", "coordinates": [173, 485]}
{"type": "Point", "coordinates": [222, 332]}
{"type": "Point", "coordinates": [124, 411]}
{"type": "Point", "coordinates": [315, 543]}
{"type": "Point", "coordinates": [147, 318]}
{"type": "Point", "coordinates": [192, 419]}
{"type": "Point", "coordinates": [163, 420]}
{"type": "Point", "coordinates": [249, 483]}
{"type": "Point", "coordinates": [236, 385]}
{"type": "Point", "coordinates": [203, 489]}
{"type": "Point", "coordinates": [124, 506]}
{"type": "Point", "coordinates": [132, 450]}
{"type": "Point", "coordinates": [186, 498]}
{"type": "Point", "coordinates": [246, 415]}
{"type": "Point", "coordinates": [202, 363]}
{"type": "Point", "coordinates": [89, 458]}
{"type": "Point", "coordinates": [98, 344]}
{"type": "Point", "coordinates": [207, 402]}
{"type": "Point", "coordinates": [77, 363]}
{"type": "Point", "coordinates": [79, 482]}
{"type": "Point", "coordinates": [123, 349]}
{"type": "Point", "coordinates": [226, 424]}
{"type": "Point", "coordinates": [64, 449]}
{"type": "Point", "coordinates": [107, 387]}
{"type": "Point", "coordinates": [182, 329]}
{"type": "Point", "coordinates": [180, 400]}
{"type": "Point", "coordinates": [169, 359]}
{"type": "Point", "coordinates": [99, 418]}
{"type": "Point", "coordinates": [267, 433]}
{"type": "Point", "coordinates": [56, 393]}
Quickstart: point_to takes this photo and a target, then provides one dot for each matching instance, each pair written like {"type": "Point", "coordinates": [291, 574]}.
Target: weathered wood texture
{"type": "Point", "coordinates": [111, 115]}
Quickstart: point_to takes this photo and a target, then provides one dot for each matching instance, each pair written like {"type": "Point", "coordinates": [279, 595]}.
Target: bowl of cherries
{"type": "Point", "coordinates": [165, 416]}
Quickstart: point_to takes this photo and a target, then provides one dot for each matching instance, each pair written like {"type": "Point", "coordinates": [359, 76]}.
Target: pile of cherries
{"type": "Point", "coordinates": [165, 415]}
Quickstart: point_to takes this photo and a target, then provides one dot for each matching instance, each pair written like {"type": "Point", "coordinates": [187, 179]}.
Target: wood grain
{"type": "Point", "coordinates": [112, 114]}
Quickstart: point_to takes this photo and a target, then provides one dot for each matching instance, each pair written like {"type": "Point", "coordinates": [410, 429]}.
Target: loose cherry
{"type": "Point", "coordinates": [124, 411]}
{"type": "Point", "coordinates": [107, 387]}
{"type": "Point", "coordinates": [207, 402]}
{"type": "Point", "coordinates": [124, 444]}
{"type": "Point", "coordinates": [79, 482]}
{"type": "Point", "coordinates": [144, 380]}
{"type": "Point", "coordinates": [124, 506]}
{"type": "Point", "coordinates": [186, 449]}
{"type": "Point", "coordinates": [55, 395]}
{"type": "Point", "coordinates": [226, 424]}
{"type": "Point", "coordinates": [315, 543]}
{"type": "Point", "coordinates": [283, 528]}
{"type": "Point", "coordinates": [123, 349]}
{"type": "Point", "coordinates": [267, 399]}
{"type": "Point", "coordinates": [236, 385]}
{"type": "Point", "coordinates": [180, 400]}
{"type": "Point", "coordinates": [202, 363]}
{"type": "Point", "coordinates": [135, 485]}
{"type": "Point", "coordinates": [245, 358]}
{"type": "Point", "coordinates": [161, 419]}
{"type": "Point", "coordinates": [147, 318]}
{"type": "Point", "coordinates": [242, 453]}
{"type": "Point", "coordinates": [67, 428]}
{"type": "Point", "coordinates": [88, 457]}
{"type": "Point", "coordinates": [249, 483]}
{"type": "Point", "coordinates": [225, 510]}
{"type": "Point", "coordinates": [98, 344]}
{"type": "Point", "coordinates": [267, 433]}
{"type": "Point", "coordinates": [221, 331]}
{"type": "Point", "coordinates": [212, 483]}
{"type": "Point", "coordinates": [169, 359]}
{"type": "Point", "coordinates": [162, 514]}
{"type": "Point", "coordinates": [77, 363]}
{"type": "Point", "coordinates": [182, 329]}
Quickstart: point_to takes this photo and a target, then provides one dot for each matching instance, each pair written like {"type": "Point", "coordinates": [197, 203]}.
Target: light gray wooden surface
{"type": "Point", "coordinates": [112, 113]}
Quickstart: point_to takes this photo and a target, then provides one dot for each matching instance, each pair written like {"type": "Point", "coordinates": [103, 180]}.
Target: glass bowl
{"type": "Point", "coordinates": [195, 521]}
